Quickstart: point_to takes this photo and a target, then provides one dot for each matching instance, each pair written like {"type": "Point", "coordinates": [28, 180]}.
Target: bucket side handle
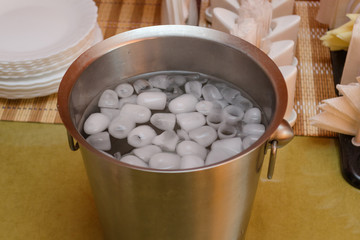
{"type": "Point", "coordinates": [72, 144]}
{"type": "Point", "coordinates": [282, 136]}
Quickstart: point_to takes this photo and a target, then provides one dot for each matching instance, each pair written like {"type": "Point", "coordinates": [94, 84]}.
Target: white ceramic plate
{"type": "Point", "coordinates": [53, 71]}
{"type": "Point", "coordinates": [29, 94]}
{"type": "Point", "coordinates": [35, 29]}
{"type": "Point", "coordinates": [39, 86]}
{"type": "Point", "coordinates": [20, 72]}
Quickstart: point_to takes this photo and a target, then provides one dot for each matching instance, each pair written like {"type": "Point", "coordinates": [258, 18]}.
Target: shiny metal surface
{"type": "Point", "coordinates": [272, 159]}
{"type": "Point", "coordinates": [212, 202]}
{"type": "Point", "coordinates": [282, 136]}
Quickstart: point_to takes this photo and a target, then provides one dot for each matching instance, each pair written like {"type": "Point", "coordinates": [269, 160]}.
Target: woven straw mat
{"type": "Point", "coordinates": [314, 80]}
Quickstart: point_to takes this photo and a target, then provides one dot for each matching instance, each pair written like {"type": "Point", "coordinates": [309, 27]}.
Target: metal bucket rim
{"type": "Point", "coordinates": [161, 31]}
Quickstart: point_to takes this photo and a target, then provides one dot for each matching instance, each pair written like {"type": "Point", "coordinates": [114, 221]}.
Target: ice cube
{"type": "Point", "coordinates": [165, 161]}
{"type": "Point", "coordinates": [133, 160]}
{"type": "Point", "coordinates": [108, 99]}
{"type": "Point", "coordinates": [232, 114]}
{"type": "Point", "coordinates": [123, 101]}
{"type": "Point", "coordinates": [152, 100]}
{"type": "Point", "coordinates": [229, 94]}
{"type": "Point", "coordinates": [100, 141]}
{"type": "Point", "coordinates": [253, 129]}
{"type": "Point", "coordinates": [191, 148]}
{"type": "Point", "coordinates": [211, 93]}
{"type": "Point", "coordinates": [176, 92]}
{"type": "Point", "coordinates": [214, 120]}
{"type": "Point", "coordinates": [167, 140]}
{"type": "Point", "coordinates": [141, 136]}
{"type": "Point", "coordinates": [191, 161]}
{"type": "Point", "coordinates": [218, 155]}
{"type": "Point", "coordinates": [160, 81]}
{"type": "Point", "coordinates": [137, 113]}
{"type": "Point", "coordinates": [124, 90]}
{"type": "Point", "coordinates": [96, 122]}
{"type": "Point", "coordinates": [232, 144]}
{"type": "Point", "coordinates": [204, 135]}
{"type": "Point", "coordinates": [242, 102]}
{"type": "Point", "coordinates": [179, 80]}
{"type": "Point", "coordinates": [190, 121]}
{"type": "Point", "coordinates": [183, 135]}
{"type": "Point", "coordinates": [163, 121]}
{"type": "Point", "coordinates": [207, 107]}
{"type": "Point", "coordinates": [110, 112]}
{"type": "Point", "coordinates": [194, 88]}
{"type": "Point", "coordinates": [182, 104]}
{"type": "Point", "coordinates": [146, 152]}
{"type": "Point", "coordinates": [249, 140]}
{"type": "Point", "coordinates": [141, 85]}
{"type": "Point", "coordinates": [252, 115]}
{"type": "Point", "coordinates": [226, 131]}
{"type": "Point", "coordinates": [120, 127]}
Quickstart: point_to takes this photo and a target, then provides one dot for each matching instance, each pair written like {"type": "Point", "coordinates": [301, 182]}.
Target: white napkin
{"type": "Point", "coordinates": [254, 21]}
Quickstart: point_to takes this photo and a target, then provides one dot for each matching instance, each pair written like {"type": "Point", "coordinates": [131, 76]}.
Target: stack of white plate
{"type": "Point", "coordinates": [39, 40]}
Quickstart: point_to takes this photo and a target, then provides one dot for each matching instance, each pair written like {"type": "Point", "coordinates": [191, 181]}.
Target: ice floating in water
{"type": "Point", "coordinates": [194, 88]}
{"type": "Point", "coordinates": [160, 81]}
{"type": "Point", "coordinates": [95, 123]}
{"type": "Point", "coordinates": [163, 121]}
{"type": "Point", "coordinates": [124, 90]}
{"type": "Point", "coordinates": [110, 112]}
{"type": "Point", "coordinates": [152, 100]}
{"type": "Point", "coordinates": [120, 127]}
{"type": "Point", "coordinates": [204, 135]}
{"type": "Point", "coordinates": [100, 141]}
{"type": "Point", "coordinates": [108, 99]}
{"type": "Point", "coordinates": [210, 92]}
{"type": "Point", "coordinates": [183, 104]}
{"type": "Point", "coordinates": [167, 140]}
{"type": "Point", "coordinates": [179, 80]}
{"type": "Point", "coordinates": [123, 101]}
{"type": "Point", "coordinates": [141, 136]}
{"type": "Point", "coordinates": [226, 131]}
{"type": "Point", "coordinates": [137, 113]}
{"type": "Point", "coordinates": [141, 85]}
{"type": "Point", "coordinates": [207, 107]}
{"type": "Point", "coordinates": [133, 160]}
{"type": "Point", "coordinates": [214, 120]}
{"type": "Point", "coordinates": [249, 140]}
{"type": "Point", "coordinates": [174, 122]}
{"type": "Point", "coordinates": [190, 120]}
{"type": "Point", "coordinates": [145, 152]}
{"type": "Point", "coordinates": [191, 161]}
{"type": "Point", "coordinates": [223, 149]}
{"type": "Point", "coordinates": [165, 160]}
{"type": "Point", "coordinates": [232, 114]}
{"type": "Point", "coordinates": [191, 148]}
{"type": "Point", "coordinates": [252, 115]}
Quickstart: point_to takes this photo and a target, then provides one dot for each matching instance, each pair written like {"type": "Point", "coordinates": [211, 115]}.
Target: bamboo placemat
{"type": "Point", "coordinates": [314, 80]}
{"type": "Point", "coordinates": [114, 16]}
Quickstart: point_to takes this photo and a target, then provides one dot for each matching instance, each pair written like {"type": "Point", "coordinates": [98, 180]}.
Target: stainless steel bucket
{"type": "Point", "coordinates": [213, 202]}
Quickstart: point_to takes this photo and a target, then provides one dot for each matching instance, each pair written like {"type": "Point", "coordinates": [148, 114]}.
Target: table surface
{"type": "Point", "coordinates": [45, 193]}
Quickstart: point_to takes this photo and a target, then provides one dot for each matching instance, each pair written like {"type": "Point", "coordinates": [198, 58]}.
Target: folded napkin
{"type": "Point", "coordinates": [341, 114]}
{"type": "Point", "coordinates": [339, 38]}
{"type": "Point", "coordinates": [254, 20]}
{"type": "Point", "coordinates": [333, 12]}
{"type": "Point", "coordinates": [352, 62]}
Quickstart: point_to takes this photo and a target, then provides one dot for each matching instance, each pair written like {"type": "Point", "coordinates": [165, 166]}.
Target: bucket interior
{"type": "Point", "coordinates": [240, 65]}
